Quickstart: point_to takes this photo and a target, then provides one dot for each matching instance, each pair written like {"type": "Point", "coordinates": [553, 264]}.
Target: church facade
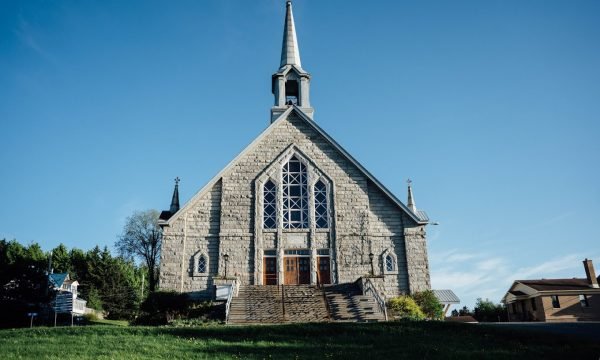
{"type": "Point", "coordinates": [294, 207]}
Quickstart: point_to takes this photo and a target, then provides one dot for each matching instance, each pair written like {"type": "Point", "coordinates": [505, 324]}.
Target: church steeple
{"type": "Point", "coordinates": [290, 52]}
{"type": "Point", "coordinates": [175, 199]}
{"type": "Point", "coordinates": [290, 83]}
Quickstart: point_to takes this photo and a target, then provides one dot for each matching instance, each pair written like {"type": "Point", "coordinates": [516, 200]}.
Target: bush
{"type": "Point", "coordinates": [429, 304]}
{"type": "Point", "coordinates": [90, 317]}
{"type": "Point", "coordinates": [165, 307]}
{"type": "Point", "coordinates": [405, 307]}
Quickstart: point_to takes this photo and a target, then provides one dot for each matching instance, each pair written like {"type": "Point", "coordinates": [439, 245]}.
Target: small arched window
{"type": "Point", "coordinates": [202, 264]}
{"type": "Point", "coordinates": [269, 205]}
{"type": "Point", "coordinates": [321, 209]}
{"type": "Point", "coordinates": [389, 263]}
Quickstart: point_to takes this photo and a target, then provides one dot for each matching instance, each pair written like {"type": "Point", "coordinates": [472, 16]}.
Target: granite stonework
{"type": "Point", "coordinates": [227, 219]}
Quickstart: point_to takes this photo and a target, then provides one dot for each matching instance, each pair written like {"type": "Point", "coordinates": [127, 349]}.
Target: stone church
{"type": "Point", "coordinates": [293, 207]}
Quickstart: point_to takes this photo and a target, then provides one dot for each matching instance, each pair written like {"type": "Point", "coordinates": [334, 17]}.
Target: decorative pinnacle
{"type": "Point", "coordinates": [409, 182]}
{"type": "Point", "coordinates": [177, 180]}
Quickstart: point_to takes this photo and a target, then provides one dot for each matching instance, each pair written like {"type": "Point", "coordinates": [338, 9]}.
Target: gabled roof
{"type": "Point", "coordinates": [557, 284]}
{"type": "Point", "coordinates": [420, 217]}
{"type": "Point", "coordinates": [58, 279]}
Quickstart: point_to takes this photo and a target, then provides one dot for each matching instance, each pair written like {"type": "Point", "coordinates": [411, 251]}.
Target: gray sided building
{"type": "Point", "coordinates": [293, 208]}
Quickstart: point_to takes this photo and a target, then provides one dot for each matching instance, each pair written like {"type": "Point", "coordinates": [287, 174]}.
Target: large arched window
{"type": "Point", "coordinates": [269, 205]}
{"type": "Point", "coordinates": [295, 195]}
{"type": "Point", "coordinates": [321, 210]}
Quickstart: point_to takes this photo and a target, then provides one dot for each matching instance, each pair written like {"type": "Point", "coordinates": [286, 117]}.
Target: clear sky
{"type": "Point", "coordinates": [492, 108]}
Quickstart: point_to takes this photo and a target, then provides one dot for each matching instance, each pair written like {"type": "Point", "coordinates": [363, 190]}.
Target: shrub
{"type": "Point", "coordinates": [405, 307]}
{"type": "Point", "coordinates": [165, 307]}
{"type": "Point", "coordinates": [429, 304]}
{"type": "Point", "coordinates": [90, 317]}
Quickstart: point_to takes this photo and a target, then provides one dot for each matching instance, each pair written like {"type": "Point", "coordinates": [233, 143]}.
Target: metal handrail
{"type": "Point", "coordinates": [232, 291]}
{"type": "Point", "coordinates": [369, 287]}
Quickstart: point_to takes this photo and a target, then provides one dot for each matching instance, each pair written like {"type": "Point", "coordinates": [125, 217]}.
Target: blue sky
{"type": "Point", "coordinates": [492, 108]}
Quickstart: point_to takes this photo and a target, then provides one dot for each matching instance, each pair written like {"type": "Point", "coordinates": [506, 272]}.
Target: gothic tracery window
{"type": "Point", "coordinates": [269, 205]}
{"type": "Point", "coordinates": [321, 210]}
{"type": "Point", "coordinates": [295, 195]}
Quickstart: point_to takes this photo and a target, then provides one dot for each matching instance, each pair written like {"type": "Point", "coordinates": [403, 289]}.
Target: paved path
{"type": "Point", "coordinates": [590, 330]}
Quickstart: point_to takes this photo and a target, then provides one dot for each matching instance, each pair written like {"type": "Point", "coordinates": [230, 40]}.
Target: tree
{"type": "Point", "coordinates": [430, 304]}
{"type": "Point", "coordinates": [142, 239]}
{"type": "Point", "coordinates": [465, 311]}
{"type": "Point", "coordinates": [486, 310]}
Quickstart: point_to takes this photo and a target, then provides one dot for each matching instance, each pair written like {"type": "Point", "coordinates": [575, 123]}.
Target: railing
{"type": "Point", "coordinates": [367, 288]}
{"type": "Point", "coordinates": [232, 290]}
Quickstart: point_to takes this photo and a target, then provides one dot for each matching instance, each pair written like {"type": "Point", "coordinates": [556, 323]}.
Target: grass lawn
{"type": "Point", "coordinates": [431, 340]}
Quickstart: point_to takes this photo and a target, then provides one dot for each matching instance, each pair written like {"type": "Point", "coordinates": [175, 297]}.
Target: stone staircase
{"type": "Point", "coordinates": [347, 303]}
{"type": "Point", "coordinates": [274, 304]}
{"type": "Point", "coordinates": [257, 304]}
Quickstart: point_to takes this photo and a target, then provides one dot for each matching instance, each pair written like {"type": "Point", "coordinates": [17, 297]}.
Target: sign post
{"type": "Point", "coordinates": [31, 315]}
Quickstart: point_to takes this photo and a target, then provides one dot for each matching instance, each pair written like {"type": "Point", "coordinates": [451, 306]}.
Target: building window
{"type": "Point", "coordinates": [269, 205]}
{"type": "Point", "coordinates": [389, 263]}
{"type": "Point", "coordinates": [555, 302]}
{"type": "Point", "coordinates": [295, 195]}
{"type": "Point", "coordinates": [202, 264]}
{"type": "Point", "coordinates": [199, 264]}
{"type": "Point", "coordinates": [321, 209]}
{"type": "Point", "coordinates": [583, 300]}
{"type": "Point", "coordinates": [533, 305]}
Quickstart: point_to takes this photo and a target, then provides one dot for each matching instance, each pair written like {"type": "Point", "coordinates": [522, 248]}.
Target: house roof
{"type": "Point", "coordinates": [58, 279]}
{"type": "Point", "coordinates": [420, 217]}
{"type": "Point", "coordinates": [446, 297]}
{"type": "Point", "coordinates": [556, 284]}
{"type": "Point", "coordinates": [517, 293]}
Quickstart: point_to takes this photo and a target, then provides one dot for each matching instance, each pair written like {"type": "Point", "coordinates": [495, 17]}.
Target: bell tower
{"type": "Point", "coordinates": [290, 84]}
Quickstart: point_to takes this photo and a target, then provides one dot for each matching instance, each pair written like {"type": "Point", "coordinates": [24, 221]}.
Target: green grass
{"type": "Point", "coordinates": [109, 322]}
{"type": "Point", "coordinates": [431, 340]}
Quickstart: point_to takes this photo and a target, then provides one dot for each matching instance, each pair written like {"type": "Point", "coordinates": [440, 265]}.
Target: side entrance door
{"type": "Point", "coordinates": [270, 271]}
{"type": "Point", "coordinates": [324, 270]}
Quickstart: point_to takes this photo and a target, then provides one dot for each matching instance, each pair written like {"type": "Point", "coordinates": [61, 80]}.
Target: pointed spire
{"type": "Point", "coordinates": [411, 201]}
{"type": "Point", "coordinates": [290, 52]}
{"type": "Point", "coordinates": [175, 199]}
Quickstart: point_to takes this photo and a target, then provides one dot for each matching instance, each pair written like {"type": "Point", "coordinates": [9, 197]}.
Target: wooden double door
{"type": "Point", "coordinates": [296, 270]}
